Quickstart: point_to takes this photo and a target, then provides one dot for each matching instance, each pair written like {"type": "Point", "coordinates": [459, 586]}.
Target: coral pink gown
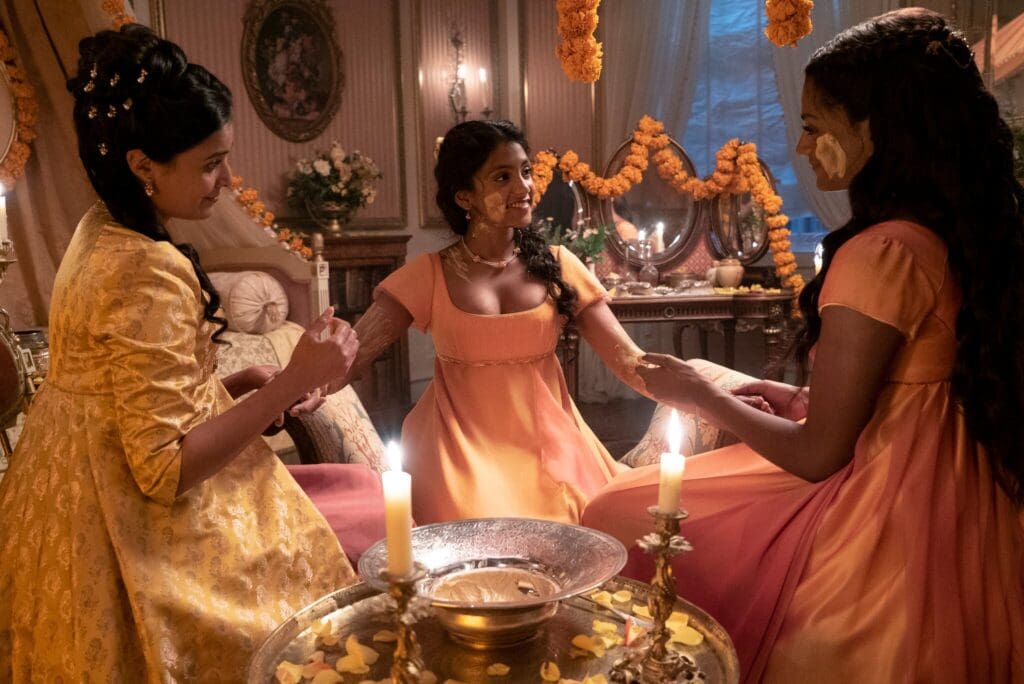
{"type": "Point", "coordinates": [907, 564]}
{"type": "Point", "coordinates": [496, 433]}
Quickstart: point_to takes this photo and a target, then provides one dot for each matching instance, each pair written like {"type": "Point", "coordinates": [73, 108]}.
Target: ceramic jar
{"type": "Point", "coordinates": [725, 273]}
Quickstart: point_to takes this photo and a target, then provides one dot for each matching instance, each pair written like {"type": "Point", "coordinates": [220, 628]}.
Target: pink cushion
{"type": "Point", "coordinates": [351, 499]}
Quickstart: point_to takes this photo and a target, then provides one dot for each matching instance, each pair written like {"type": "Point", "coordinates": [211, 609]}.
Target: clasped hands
{"type": "Point", "coordinates": [325, 351]}
{"type": "Point", "coordinates": [676, 383]}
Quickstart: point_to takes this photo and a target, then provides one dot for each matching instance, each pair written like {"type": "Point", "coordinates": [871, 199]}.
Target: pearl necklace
{"type": "Point", "coordinates": [495, 263]}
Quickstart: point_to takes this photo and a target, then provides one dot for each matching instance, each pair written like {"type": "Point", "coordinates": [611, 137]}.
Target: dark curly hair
{"type": "Point", "coordinates": [464, 150]}
{"type": "Point", "coordinates": [943, 158]}
{"type": "Point", "coordinates": [135, 90]}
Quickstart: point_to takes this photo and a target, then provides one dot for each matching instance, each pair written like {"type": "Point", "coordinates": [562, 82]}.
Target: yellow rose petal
{"type": "Point", "coordinates": [352, 664]}
{"type": "Point", "coordinates": [385, 635]}
{"type": "Point", "coordinates": [366, 654]}
{"type": "Point", "coordinates": [311, 669]}
{"type": "Point", "coordinates": [498, 669]}
{"type": "Point", "coordinates": [687, 636]}
{"type": "Point", "coordinates": [603, 598]}
{"type": "Point", "coordinates": [327, 676]}
{"type": "Point", "coordinates": [596, 679]}
{"type": "Point", "coordinates": [288, 673]}
{"type": "Point", "coordinates": [586, 643]}
{"type": "Point", "coordinates": [605, 627]}
{"type": "Point", "coordinates": [622, 596]}
{"type": "Point", "coordinates": [549, 672]}
{"type": "Point", "coordinates": [641, 611]}
{"type": "Point", "coordinates": [677, 620]}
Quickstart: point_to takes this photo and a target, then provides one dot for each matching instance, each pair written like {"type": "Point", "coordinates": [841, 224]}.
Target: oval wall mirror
{"type": "Point", "coordinates": [737, 227]}
{"type": "Point", "coordinates": [562, 203]}
{"type": "Point", "coordinates": [651, 215]}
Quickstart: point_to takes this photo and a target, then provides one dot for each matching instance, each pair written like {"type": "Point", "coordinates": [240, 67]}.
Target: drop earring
{"type": "Point", "coordinates": [147, 187]}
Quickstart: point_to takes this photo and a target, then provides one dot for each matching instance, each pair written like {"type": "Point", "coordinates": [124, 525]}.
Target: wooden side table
{"type": "Point", "coordinates": [727, 314]}
{"type": "Point", "coordinates": [358, 261]}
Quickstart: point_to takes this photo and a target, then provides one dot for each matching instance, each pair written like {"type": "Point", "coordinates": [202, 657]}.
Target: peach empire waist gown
{"type": "Point", "coordinates": [496, 433]}
{"type": "Point", "coordinates": [106, 573]}
{"type": "Point", "coordinates": [907, 564]}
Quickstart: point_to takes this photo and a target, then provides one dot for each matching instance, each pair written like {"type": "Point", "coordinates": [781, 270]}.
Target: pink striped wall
{"type": "Point", "coordinates": [368, 118]}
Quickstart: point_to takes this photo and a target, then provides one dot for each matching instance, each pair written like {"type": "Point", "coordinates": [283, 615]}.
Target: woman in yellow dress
{"type": "Point", "coordinates": [147, 534]}
{"type": "Point", "coordinates": [496, 433]}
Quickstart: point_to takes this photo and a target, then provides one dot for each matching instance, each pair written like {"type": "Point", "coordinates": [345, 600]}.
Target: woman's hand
{"type": "Point", "coordinates": [674, 382]}
{"type": "Point", "coordinates": [326, 350]}
{"type": "Point", "coordinates": [785, 400]}
{"type": "Point", "coordinates": [258, 376]}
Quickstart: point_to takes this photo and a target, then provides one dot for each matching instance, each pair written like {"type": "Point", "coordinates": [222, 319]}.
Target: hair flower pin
{"type": "Point", "coordinates": [114, 79]}
{"type": "Point", "coordinates": [102, 147]}
{"type": "Point", "coordinates": [93, 112]}
{"type": "Point", "coordinates": [142, 75]}
{"type": "Point", "coordinates": [93, 72]}
{"type": "Point", "coordinates": [127, 104]}
{"type": "Point", "coordinates": [89, 86]}
{"type": "Point", "coordinates": [111, 112]}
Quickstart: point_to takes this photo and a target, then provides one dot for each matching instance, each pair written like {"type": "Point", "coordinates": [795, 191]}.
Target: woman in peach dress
{"type": "Point", "coordinates": [496, 433]}
{"type": "Point", "coordinates": [870, 531]}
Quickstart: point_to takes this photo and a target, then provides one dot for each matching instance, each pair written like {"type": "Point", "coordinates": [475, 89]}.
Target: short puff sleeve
{"type": "Point", "coordinates": [412, 286]}
{"type": "Point", "coordinates": [588, 288]}
{"type": "Point", "coordinates": [877, 275]}
{"type": "Point", "coordinates": [147, 317]}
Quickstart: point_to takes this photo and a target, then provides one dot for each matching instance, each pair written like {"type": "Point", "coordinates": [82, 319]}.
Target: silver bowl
{"type": "Point", "coordinates": [566, 561]}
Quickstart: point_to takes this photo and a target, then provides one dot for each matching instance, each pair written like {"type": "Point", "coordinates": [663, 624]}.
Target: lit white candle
{"type": "Point", "coordinates": [483, 75]}
{"type": "Point", "coordinates": [3, 214]}
{"type": "Point", "coordinates": [672, 466]}
{"type": "Point", "coordinates": [398, 513]}
{"type": "Point", "coordinates": [641, 235]}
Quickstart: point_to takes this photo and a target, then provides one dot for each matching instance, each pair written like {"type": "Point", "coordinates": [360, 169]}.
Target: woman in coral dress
{"type": "Point", "coordinates": [871, 530]}
{"type": "Point", "coordinates": [496, 433]}
{"type": "Point", "coordinates": [147, 533]}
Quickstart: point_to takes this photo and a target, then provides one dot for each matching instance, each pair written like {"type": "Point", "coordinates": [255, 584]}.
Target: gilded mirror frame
{"type": "Point", "coordinates": [681, 248]}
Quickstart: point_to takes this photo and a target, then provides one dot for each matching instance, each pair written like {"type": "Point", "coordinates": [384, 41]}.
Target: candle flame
{"type": "Point", "coordinates": [483, 75]}
{"type": "Point", "coordinates": [394, 456]}
{"type": "Point", "coordinates": [674, 434]}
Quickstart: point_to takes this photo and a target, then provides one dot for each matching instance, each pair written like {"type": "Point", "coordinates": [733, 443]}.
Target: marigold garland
{"type": "Point", "coordinates": [737, 170]}
{"type": "Point", "coordinates": [788, 21]}
{"type": "Point", "coordinates": [117, 12]}
{"type": "Point", "coordinates": [249, 199]}
{"type": "Point", "coordinates": [26, 112]}
{"type": "Point", "coordinates": [579, 51]}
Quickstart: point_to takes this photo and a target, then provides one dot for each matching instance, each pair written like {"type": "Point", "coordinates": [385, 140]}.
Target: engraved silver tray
{"type": "Point", "coordinates": [361, 610]}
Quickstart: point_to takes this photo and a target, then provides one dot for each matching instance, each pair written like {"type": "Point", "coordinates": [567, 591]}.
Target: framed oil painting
{"type": "Point", "coordinates": [292, 65]}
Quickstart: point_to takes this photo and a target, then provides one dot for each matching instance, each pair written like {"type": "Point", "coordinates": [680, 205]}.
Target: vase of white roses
{"type": "Point", "coordinates": [333, 185]}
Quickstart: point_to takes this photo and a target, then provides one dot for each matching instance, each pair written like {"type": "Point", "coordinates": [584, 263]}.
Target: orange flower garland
{"type": "Point", "coordinates": [249, 199]}
{"type": "Point", "coordinates": [788, 21]}
{"type": "Point", "coordinates": [737, 170]}
{"type": "Point", "coordinates": [117, 11]}
{"type": "Point", "coordinates": [579, 51]}
{"type": "Point", "coordinates": [26, 111]}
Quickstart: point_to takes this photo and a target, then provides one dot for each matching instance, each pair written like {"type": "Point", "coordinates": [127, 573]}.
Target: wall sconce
{"type": "Point", "coordinates": [457, 99]}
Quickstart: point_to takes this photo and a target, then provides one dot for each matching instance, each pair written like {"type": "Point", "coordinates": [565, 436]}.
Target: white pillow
{"type": "Point", "coordinates": [253, 301]}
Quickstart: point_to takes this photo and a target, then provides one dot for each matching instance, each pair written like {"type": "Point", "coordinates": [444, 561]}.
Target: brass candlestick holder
{"type": "Point", "coordinates": [408, 666]}
{"type": "Point", "coordinates": [652, 662]}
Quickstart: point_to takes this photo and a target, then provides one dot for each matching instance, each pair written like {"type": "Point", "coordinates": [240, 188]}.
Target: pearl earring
{"type": "Point", "coordinates": [147, 187]}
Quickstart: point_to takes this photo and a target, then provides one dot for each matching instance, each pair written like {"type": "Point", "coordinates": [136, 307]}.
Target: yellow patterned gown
{"type": "Point", "coordinates": [104, 574]}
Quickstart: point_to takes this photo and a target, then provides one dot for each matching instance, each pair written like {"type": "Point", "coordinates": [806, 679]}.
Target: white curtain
{"type": "Point", "coordinates": [651, 52]}
{"type": "Point", "coordinates": [829, 17]}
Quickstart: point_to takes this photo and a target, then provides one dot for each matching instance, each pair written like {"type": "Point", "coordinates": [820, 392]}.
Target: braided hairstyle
{"type": "Point", "coordinates": [135, 90]}
{"type": "Point", "coordinates": [463, 152]}
{"type": "Point", "coordinates": [943, 158]}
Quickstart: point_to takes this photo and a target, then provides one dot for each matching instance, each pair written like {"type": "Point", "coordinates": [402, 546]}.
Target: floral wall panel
{"type": "Point", "coordinates": [368, 117]}
{"type": "Point", "coordinates": [434, 22]}
{"type": "Point", "coordinates": [558, 112]}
